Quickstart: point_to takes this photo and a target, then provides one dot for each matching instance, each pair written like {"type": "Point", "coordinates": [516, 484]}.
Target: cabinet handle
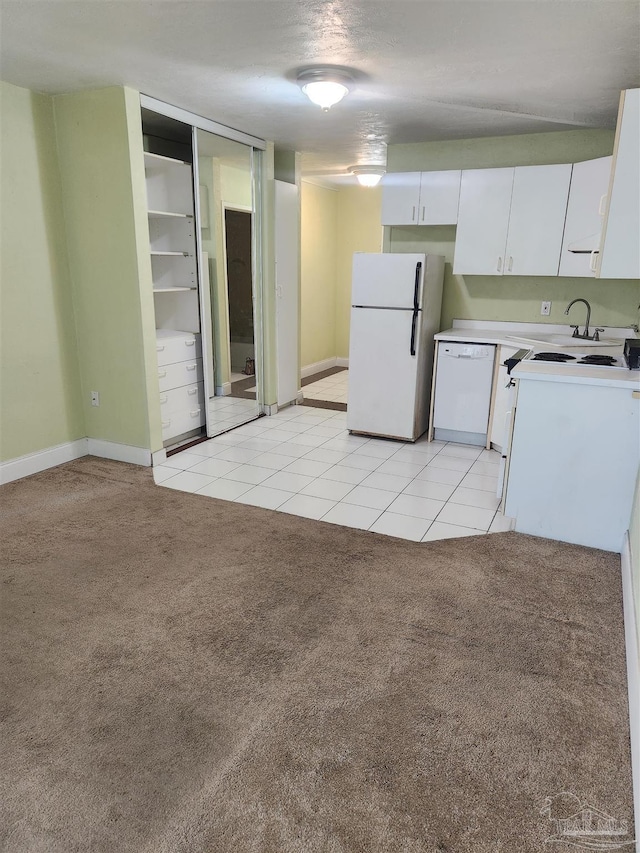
{"type": "Point", "coordinates": [166, 424]}
{"type": "Point", "coordinates": [601, 204]}
{"type": "Point", "coordinates": [593, 260]}
{"type": "Point", "coordinates": [413, 213]}
{"type": "Point", "coordinates": [499, 263]}
{"type": "Point", "coordinates": [192, 391]}
{"type": "Point", "coordinates": [189, 343]}
{"type": "Point", "coordinates": [163, 399]}
{"type": "Point", "coordinates": [510, 267]}
{"type": "Point", "coordinates": [159, 348]}
{"type": "Point", "coordinates": [162, 374]}
{"type": "Point", "coordinates": [191, 367]}
{"type": "Point", "coordinates": [423, 213]}
{"type": "Point", "coordinates": [194, 413]}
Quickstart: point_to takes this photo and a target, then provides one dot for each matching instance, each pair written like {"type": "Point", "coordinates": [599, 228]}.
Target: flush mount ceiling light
{"type": "Point", "coordinates": [324, 86]}
{"type": "Point", "coordinates": [368, 176]}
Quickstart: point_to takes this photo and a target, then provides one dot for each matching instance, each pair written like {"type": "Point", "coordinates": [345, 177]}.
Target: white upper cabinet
{"type": "Point", "coordinates": [400, 198]}
{"type": "Point", "coordinates": [582, 227]}
{"type": "Point", "coordinates": [536, 220]}
{"type": "Point", "coordinates": [439, 197]}
{"type": "Point", "coordinates": [421, 198]}
{"type": "Point", "coordinates": [620, 246]}
{"type": "Point", "coordinates": [483, 221]}
{"type": "Point", "coordinates": [511, 220]}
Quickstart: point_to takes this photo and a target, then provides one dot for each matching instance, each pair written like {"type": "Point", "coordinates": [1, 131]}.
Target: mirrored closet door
{"type": "Point", "coordinates": [201, 193]}
{"type": "Point", "coordinates": [226, 205]}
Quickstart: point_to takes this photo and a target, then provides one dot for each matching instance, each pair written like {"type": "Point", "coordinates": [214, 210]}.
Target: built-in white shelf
{"type": "Point", "coordinates": [170, 254]}
{"type": "Point", "coordinates": [160, 161]}
{"type": "Point", "coordinates": [168, 214]}
{"type": "Point", "coordinates": [173, 289]}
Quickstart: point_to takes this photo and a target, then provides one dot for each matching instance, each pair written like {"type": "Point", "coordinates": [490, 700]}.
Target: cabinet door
{"type": "Point", "coordinates": [439, 197]}
{"type": "Point", "coordinates": [620, 248]}
{"type": "Point", "coordinates": [501, 397]}
{"type": "Point", "coordinates": [483, 220]}
{"type": "Point", "coordinates": [400, 198]}
{"type": "Point", "coordinates": [589, 183]}
{"type": "Point", "coordinates": [536, 221]}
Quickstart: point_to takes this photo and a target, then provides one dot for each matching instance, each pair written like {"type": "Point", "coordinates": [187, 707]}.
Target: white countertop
{"type": "Point", "coordinates": [505, 334]}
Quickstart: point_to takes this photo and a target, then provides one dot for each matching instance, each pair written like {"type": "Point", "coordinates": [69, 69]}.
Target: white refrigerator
{"type": "Point", "coordinates": [395, 312]}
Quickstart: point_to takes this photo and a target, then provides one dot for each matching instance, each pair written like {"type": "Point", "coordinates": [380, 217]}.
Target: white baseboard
{"type": "Point", "coordinates": [326, 364]}
{"type": "Point", "coordinates": [631, 627]}
{"type": "Point", "coordinates": [119, 452]}
{"type": "Point", "coordinates": [318, 367]}
{"type": "Point", "coordinates": [32, 463]}
{"type": "Point", "coordinates": [223, 390]}
{"type": "Point", "coordinates": [159, 457]}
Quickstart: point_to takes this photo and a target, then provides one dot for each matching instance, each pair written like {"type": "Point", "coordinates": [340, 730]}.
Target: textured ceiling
{"type": "Point", "coordinates": [425, 69]}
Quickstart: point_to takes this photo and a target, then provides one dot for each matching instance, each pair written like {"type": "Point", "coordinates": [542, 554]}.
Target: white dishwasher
{"type": "Point", "coordinates": [464, 375]}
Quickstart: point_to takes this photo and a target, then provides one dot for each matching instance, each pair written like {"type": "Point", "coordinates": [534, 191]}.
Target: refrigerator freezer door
{"type": "Point", "coordinates": [386, 280]}
{"type": "Point", "coordinates": [382, 373]}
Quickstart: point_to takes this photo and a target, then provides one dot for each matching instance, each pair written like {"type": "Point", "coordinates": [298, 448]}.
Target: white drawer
{"type": "Point", "coordinates": [177, 346]}
{"type": "Point", "coordinates": [181, 399]}
{"type": "Point", "coordinates": [181, 422]}
{"type": "Point", "coordinates": [176, 375]}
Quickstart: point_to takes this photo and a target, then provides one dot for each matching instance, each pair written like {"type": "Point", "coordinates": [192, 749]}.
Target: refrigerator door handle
{"type": "Point", "coordinates": [416, 307]}
{"type": "Point", "coordinates": [413, 331]}
{"type": "Point", "coordinates": [416, 287]}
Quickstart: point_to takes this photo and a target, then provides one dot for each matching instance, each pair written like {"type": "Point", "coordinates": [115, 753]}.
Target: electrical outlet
{"type": "Point", "coordinates": [95, 398]}
{"type": "Point", "coordinates": [545, 309]}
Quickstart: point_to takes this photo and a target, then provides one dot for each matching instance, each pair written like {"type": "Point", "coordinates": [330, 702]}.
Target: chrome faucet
{"type": "Point", "coordinates": [576, 333]}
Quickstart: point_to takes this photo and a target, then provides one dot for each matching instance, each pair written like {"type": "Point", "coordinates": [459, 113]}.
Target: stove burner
{"type": "Point", "coordinates": [553, 356]}
{"type": "Point", "coordinates": [602, 360]}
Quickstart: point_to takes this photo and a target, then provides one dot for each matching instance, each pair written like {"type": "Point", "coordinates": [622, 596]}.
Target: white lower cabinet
{"type": "Point", "coordinates": [501, 397]}
{"type": "Point", "coordinates": [573, 462]}
{"type": "Point", "coordinates": [180, 381]}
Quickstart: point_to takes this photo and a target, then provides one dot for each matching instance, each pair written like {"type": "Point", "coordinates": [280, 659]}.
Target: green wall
{"type": "Point", "coordinates": [40, 397]}
{"type": "Point", "coordinates": [614, 303]}
{"type": "Point", "coordinates": [101, 165]}
{"type": "Point", "coordinates": [359, 230]}
{"type": "Point", "coordinates": [318, 238]}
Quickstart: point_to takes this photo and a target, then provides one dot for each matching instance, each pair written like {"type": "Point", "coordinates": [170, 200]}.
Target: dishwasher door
{"type": "Point", "coordinates": [463, 392]}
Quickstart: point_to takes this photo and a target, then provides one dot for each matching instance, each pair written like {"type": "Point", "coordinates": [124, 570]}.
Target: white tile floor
{"type": "Point", "coordinates": [227, 412]}
{"type": "Point", "coordinates": [303, 461]}
{"type": "Point", "coordinates": [333, 388]}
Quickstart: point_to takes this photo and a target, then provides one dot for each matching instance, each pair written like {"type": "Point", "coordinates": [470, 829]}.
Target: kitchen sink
{"type": "Point", "coordinates": [559, 340]}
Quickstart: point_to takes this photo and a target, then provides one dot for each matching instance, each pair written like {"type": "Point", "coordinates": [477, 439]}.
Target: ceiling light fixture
{"type": "Point", "coordinates": [368, 176]}
{"type": "Point", "coordinates": [324, 86]}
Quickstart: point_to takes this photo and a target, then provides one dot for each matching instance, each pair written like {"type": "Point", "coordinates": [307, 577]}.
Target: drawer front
{"type": "Point", "coordinates": [171, 350]}
{"type": "Point", "coordinates": [180, 374]}
{"type": "Point", "coordinates": [179, 400]}
{"type": "Point", "coordinates": [181, 422]}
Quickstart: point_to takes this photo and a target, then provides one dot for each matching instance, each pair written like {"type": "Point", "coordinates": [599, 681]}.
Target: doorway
{"type": "Point", "coordinates": [238, 263]}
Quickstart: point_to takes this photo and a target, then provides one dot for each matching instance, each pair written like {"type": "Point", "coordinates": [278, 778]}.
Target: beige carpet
{"type": "Point", "coordinates": [185, 675]}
